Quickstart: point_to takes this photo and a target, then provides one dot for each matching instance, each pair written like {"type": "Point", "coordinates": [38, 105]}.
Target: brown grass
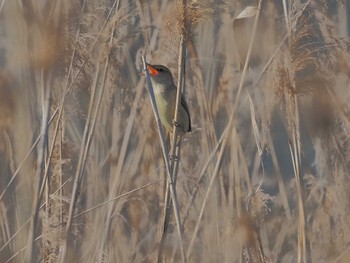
{"type": "Point", "coordinates": [86, 183]}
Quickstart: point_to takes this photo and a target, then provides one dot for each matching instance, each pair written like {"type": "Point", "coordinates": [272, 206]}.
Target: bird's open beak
{"type": "Point", "coordinates": [152, 70]}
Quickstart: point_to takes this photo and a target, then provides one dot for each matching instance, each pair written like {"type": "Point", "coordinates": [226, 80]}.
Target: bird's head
{"type": "Point", "coordinates": [160, 75]}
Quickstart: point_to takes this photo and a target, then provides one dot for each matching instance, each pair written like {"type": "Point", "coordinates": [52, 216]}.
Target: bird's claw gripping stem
{"type": "Point", "coordinates": [173, 157]}
{"type": "Point", "coordinates": [175, 123]}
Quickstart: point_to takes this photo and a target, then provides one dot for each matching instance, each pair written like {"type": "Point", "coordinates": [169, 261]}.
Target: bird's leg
{"type": "Point", "coordinates": [177, 143]}
{"type": "Point", "coordinates": [169, 142]}
{"type": "Point", "coordinates": [175, 157]}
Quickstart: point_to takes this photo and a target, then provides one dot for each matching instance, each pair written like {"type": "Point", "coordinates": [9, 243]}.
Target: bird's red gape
{"type": "Point", "coordinates": [152, 70]}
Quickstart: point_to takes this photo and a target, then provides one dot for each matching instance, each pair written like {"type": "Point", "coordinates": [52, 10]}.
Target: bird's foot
{"type": "Point", "coordinates": [175, 123]}
{"type": "Point", "coordinates": [173, 158]}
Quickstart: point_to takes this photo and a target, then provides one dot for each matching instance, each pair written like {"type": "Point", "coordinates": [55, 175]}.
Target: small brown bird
{"type": "Point", "coordinates": [165, 93]}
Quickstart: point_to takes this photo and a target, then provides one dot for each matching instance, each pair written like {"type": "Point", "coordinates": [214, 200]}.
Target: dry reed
{"type": "Point", "coordinates": [263, 177]}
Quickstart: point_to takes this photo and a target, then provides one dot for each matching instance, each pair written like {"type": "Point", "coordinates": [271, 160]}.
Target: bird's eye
{"type": "Point", "coordinates": [161, 69]}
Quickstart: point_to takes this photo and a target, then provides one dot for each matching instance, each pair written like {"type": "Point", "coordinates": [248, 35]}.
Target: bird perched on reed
{"type": "Point", "coordinates": [165, 94]}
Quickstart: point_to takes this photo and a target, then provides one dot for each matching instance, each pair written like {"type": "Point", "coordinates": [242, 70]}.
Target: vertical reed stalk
{"type": "Point", "coordinates": [227, 131]}
{"type": "Point", "coordinates": [173, 195]}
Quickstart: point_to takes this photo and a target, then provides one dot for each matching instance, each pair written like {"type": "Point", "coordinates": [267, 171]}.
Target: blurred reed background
{"type": "Point", "coordinates": [77, 131]}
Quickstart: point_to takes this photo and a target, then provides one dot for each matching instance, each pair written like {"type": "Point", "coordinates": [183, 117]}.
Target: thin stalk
{"type": "Point", "coordinates": [20, 251]}
{"type": "Point", "coordinates": [25, 158]}
{"type": "Point", "coordinates": [201, 176]}
{"type": "Point", "coordinates": [15, 234]}
{"type": "Point", "coordinates": [80, 167]}
{"type": "Point", "coordinates": [278, 48]}
{"type": "Point", "coordinates": [2, 5]}
{"type": "Point", "coordinates": [297, 161]}
{"type": "Point", "coordinates": [180, 86]}
{"type": "Point", "coordinates": [278, 173]}
{"type": "Point", "coordinates": [116, 188]}
{"type": "Point", "coordinates": [28, 220]}
{"type": "Point", "coordinates": [257, 80]}
{"type": "Point", "coordinates": [227, 130]}
{"type": "Point", "coordinates": [168, 204]}
{"type": "Point", "coordinates": [175, 204]}
{"type": "Point", "coordinates": [175, 145]}
{"type": "Point", "coordinates": [48, 161]}
{"type": "Point", "coordinates": [116, 198]}
{"type": "Point", "coordinates": [46, 93]}
{"type": "Point", "coordinates": [88, 135]}
{"type": "Point", "coordinates": [286, 17]}
{"type": "Point", "coordinates": [301, 222]}
{"type": "Point", "coordinates": [236, 177]}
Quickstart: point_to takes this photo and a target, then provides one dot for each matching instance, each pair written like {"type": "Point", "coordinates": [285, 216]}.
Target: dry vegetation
{"type": "Point", "coordinates": [263, 176]}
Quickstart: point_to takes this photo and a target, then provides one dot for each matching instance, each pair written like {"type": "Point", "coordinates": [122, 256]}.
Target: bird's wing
{"type": "Point", "coordinates": [184, 104]}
